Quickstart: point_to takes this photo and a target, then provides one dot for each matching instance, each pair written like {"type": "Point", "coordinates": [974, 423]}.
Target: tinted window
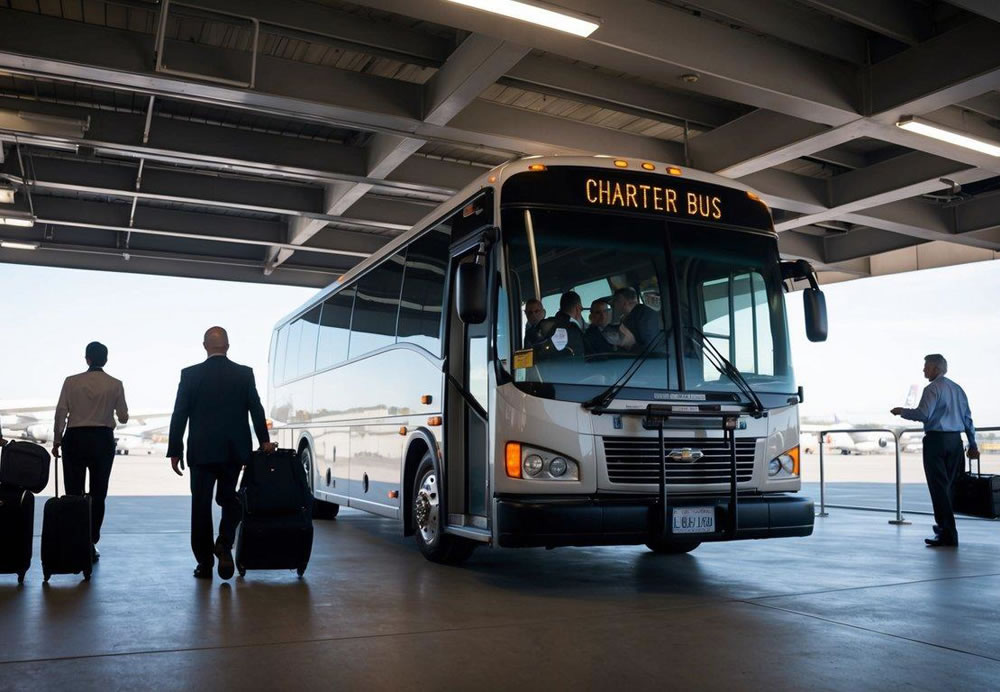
{"type": "Point", "coordinates": [423, 290]}
{"type": "Point", "coordinates": [307, 341]}
{"type": "Point", "coordinates": [376, 306]}
{"type": "Point", "coordinates": [335, 329]}
{"type": "Point", "coordinates": [292, 350]}
{"type": "Point", "coordinates": [278, 357]}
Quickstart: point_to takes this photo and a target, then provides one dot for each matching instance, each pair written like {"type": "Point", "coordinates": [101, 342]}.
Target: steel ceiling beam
{"type": "Point", "coordinates": [794, 24]}
{"type": "Point", "coordinates": [660, 43]}
{"type": "Point", "coordinates": [475, 65]}
{"type": "Point", "coordinates": [897, 19]}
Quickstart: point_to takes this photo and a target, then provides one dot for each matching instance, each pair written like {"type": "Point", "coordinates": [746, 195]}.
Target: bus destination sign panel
{"type": "Point", "coordinates": [637, 192]}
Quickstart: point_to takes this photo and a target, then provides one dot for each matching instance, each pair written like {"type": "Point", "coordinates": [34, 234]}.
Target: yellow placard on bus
{"type": "Point", "coordinates": [524, 359]}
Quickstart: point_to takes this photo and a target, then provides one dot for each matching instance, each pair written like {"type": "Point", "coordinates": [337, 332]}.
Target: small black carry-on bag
{"type": "Point", "coordinates": [17, 524]}
{"type": "Point", "coordinates": [977, 494]}
{"type": "Point", "coordinates": [25, 465]}
{"type": "Point", "coordinates": [276, 531]}
{"type": "Point", "coordinates": [66, 540]}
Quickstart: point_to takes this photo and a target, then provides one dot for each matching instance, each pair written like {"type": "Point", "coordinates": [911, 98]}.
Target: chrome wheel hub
{"type": "Point", "coordinates": [426, 507]}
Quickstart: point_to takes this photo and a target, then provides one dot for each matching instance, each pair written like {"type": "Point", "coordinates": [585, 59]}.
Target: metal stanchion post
{"type": "Point", "coordinates": [899, 521]}
{"type": "Point", "coordinates": [822, 481]}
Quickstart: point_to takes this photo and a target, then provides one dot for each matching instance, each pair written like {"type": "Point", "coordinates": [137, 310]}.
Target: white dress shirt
{"type": "Point", "coordinates": [90, 399]}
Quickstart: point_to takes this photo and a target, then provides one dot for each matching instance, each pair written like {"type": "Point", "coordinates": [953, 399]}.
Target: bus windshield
{"type": "Point", "coordinates": [646, 286]}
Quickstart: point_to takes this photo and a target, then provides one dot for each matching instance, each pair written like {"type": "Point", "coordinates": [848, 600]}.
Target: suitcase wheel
{"type": "Point", "coordinates": [20, 578]}
{"type": "Point", "coordinates": [46, 575]}
{"type": "Point", "coordinates": [86, 575]}
{"type": "Point", "coordinates": [241, 569]}
{"type": "Point", "coordinates": [300, 571]}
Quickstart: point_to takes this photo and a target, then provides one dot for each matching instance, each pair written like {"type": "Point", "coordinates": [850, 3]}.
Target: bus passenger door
{"type": "Point", "coordinates": [467, 414]}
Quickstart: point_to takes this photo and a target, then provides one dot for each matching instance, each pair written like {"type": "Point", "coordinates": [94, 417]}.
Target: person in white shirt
{"type": "Point", "coordinates": [84, 429]}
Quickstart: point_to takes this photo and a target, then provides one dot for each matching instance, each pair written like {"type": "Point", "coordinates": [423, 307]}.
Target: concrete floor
{"type": "Point", "coordinates": [859, 605]}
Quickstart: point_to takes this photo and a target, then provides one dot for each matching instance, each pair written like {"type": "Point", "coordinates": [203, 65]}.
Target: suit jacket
{"type": "Point", "coordinates": [214, 398]}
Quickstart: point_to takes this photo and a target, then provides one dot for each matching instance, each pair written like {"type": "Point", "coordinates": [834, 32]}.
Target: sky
{"type": "Point", "coordinates": [880, 330]}
{"type": "Point", "coordinates": [152, 325]}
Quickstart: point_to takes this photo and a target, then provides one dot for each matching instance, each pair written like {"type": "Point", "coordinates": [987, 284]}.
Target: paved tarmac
{"type": "Point", "coordinates": [858, 605]}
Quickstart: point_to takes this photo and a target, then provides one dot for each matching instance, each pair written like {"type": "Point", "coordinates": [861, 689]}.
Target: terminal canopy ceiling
{"type": "Point", "coordinates": [284, 141]}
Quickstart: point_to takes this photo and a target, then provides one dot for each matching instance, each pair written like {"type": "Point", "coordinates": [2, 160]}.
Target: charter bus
{"type": "Point", "coordinates": [411, 389]}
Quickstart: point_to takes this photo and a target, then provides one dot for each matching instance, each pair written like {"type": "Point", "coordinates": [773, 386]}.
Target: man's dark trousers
{"type": "Point", "coordinates": [943, 463]}
{"type": "Point", "coordinates": [89, 449]}
{"type": "Point", "coordinates": [223, 478]}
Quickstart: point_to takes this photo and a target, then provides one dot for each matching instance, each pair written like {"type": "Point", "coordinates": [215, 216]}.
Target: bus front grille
{"type": "Point", "coordinates": [637, 460]}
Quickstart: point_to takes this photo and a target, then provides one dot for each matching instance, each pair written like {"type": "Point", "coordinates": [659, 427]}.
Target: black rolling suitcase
{"type": "Point", "coordinates": [977, 494]}
{"type": "Point", "coordinates": [66, 540]}
{"type": "Point", "coordinates": [26, 465]}
{"type": "Point", "coordinates": [276, 531]}
{"type": "Point", "coordinates": [17, 524]}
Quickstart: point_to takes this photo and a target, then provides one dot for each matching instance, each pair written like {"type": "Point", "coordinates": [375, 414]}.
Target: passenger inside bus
{"type": "Point", "coordinates": [562, 335]}
{"type": "Point", "coordinates": [600, 337]}
{"type": "Point", "coordinates": [640, 324]}
{"type": "Point", "coordinates": [534, 313]}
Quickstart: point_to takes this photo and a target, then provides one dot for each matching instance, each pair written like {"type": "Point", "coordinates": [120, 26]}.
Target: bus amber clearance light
{"type": "Point", "coordinates": [621, 164]}
{"type": "Point", "coordinates": [674, 170]}
{"type": "Point", "coordinates": [513, 459]}
{"type": "Point", "coordinates": [646, 165]}
{"type": "Point", "coordinates": [536, 167]}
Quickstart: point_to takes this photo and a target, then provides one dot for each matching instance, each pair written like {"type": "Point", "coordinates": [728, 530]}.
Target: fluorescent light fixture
{"type": "Point", "coordinates": [6, 194]}
{"type": "Point", "coordinates": [13, 218]}
{"type": "Point", "coordinates": [928, 129]}
{"type": "Point", "coordinates": [555, 18]}
{"type": "Point", "coordinates": [15, 245]}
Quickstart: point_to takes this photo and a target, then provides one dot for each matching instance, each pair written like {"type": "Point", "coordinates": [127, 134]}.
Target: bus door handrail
{"type": "Point", "coordinates": [897, 435]}
{"type": "Point", "coordinates": [654, 417]}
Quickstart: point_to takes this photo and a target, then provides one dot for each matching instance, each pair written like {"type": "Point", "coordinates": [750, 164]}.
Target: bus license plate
{"type": "Point", "coordinates": [694, 520]}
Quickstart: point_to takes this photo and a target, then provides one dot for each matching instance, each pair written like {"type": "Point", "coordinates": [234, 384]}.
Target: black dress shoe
{"type": "Point", "coordinates": [226, 565]}
{"type": "Point", "coordinates": [939, 542]}
{"type": "Point", "coordinates": [95, 554]}
{"type": "Point", "coordinates": [203, 572]}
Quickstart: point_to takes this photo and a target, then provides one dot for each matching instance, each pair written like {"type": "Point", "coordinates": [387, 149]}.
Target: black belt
{"type": "Point", "coordinates": [942, 432]}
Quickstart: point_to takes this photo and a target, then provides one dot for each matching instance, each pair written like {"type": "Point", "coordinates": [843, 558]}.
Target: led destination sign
{"type": "Point", "coordinates": [651, 197]}
{"type": "Point", "coordinates": [602, 189]}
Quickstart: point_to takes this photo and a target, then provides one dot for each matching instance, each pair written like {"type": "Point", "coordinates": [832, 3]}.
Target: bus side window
{"type": "Point", "coordinates": [292, 350]}
{"type": "Point", "coordinates": [420, 309]}
{"type": "Point", "coordinates": [335, 329]}
{"type": "Point", "coordinates": [307, 341]}
{"type": "Point", "coordinates": [278, 357]}
{"type": "Point", "coordinates": [376, 307]}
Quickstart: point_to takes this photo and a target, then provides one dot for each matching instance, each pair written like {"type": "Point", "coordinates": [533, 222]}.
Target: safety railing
{"type": "Point", "coordinates": [897, 435]}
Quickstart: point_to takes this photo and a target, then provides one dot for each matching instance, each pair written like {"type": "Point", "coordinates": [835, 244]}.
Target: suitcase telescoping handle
{"type": "Point", "coordinates": [55, 460]}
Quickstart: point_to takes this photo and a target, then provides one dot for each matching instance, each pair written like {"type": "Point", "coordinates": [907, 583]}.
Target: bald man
{"type": "Point", "coordinates": [215, 398]}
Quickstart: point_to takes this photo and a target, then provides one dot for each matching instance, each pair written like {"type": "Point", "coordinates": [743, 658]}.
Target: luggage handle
{"type": "Point", "coordinates": [979, 467]}
{"type": "Point", "coordinates": [55, 460]}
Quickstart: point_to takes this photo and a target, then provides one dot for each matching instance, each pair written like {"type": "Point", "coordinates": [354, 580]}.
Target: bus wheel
{"type": "Point", "coordinates": [665, 548]}
{"type": "Point", "coordinates": [321, 510]}
{"type": "Point", "coordinates": [435, 545]}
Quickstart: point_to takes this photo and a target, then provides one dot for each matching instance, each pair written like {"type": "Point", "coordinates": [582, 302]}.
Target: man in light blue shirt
{"type": "Point", "coordinates": [944, 411]}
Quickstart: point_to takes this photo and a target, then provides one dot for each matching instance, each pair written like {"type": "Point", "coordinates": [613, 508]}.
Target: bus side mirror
{"type": "Point", "coordinates": [470, 292]}
{"type": "Point", "coordinates": [815, 313]}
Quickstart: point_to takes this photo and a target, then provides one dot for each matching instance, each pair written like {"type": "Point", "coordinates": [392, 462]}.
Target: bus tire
{"type": "Point", "coordinates": [672, 548]}
{"type": "Point", "coordinates": [320, 509]}
{"type": "Point", "coordinates": [435, 545]}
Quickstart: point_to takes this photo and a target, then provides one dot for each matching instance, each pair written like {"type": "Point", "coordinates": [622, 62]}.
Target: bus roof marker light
{"type": "Point", "coordinates": [513, 459]}
{"type": "Point", "coordinates": [621, 163]}
{"type": "Point", "coordinates": [539, 13]}
{"type": "Point", "coordinates": [648, 166]}
{"type": "Point", "coordinates": [935, 131]}
{"type": "Point", "coordinates": [674, 170]}
{"type": "Point", "coordinates": [536, 167]}
{"type": "Point", "coordinates": [492, 179]}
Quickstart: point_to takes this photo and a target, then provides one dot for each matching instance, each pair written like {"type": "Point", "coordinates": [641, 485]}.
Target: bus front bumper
{"type": "Point", "coordinates": [610, 520]}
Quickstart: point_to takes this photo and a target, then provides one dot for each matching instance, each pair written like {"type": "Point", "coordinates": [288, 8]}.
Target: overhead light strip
{"type": "Point", "coordinates": [18, 245]}
{"type": "Point", "coordinates": [554, 18]}
{"type": "Point", "coordinates": [928, 129]}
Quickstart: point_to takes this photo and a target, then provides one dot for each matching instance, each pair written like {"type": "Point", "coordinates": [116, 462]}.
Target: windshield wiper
{"type": "Point", "coordinates": [722, 364]}
{"type": "Point", "coordinates": [602, 400]}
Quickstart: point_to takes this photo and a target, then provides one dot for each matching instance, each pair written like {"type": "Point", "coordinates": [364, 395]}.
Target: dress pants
{"type": "Point", "coordinates": [943, 463]}
{"type": "Point", "coordinates": [89, 449]}
{"type": "Point", "coordinates": [223, 477]}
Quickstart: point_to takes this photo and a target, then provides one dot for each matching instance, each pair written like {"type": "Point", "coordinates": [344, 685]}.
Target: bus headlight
{"type": "Point", "coordinates": [786, 464]}
{"type": "Point", "coordinates": [557, 466]}
{"type": "Point", "coordinates": [533, 465]}
{"type": "Point", "coordinates": [538, 464]}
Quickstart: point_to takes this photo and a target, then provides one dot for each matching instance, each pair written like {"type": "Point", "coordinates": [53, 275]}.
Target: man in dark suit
{"type": "Point", "coordinates": [215, 397]}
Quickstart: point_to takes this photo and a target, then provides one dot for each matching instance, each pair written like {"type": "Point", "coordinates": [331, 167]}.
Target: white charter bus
{"type": "Point", "coordinates": [413, 387]}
